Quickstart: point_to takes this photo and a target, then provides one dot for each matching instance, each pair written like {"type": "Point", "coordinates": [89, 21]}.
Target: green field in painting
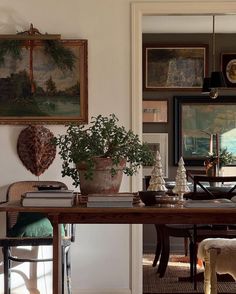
{"type": "Point", "coordinates": [42, 106]}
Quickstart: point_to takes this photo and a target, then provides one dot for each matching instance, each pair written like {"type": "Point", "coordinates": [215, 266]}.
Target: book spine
{"type": "Point", "coordinates": [110, 199]}
{"type": "Point", "coordinates": [110, 204]}
{"type": "Point", "coordinates": [53, 202]}
{"type": "Point", "coordinates": [48, 197]}
{"type": "Point", "coordinates": [45, 195]}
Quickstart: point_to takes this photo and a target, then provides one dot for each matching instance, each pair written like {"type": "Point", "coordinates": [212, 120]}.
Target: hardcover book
{"type": "Point", "coordinates": [124, 197]}
{"type": "Point", "coordinates": [48, 202]}
{"type": "Point", "coordinates": [49, 193]}
{"type": "Point", "coordinates": [110, 204]}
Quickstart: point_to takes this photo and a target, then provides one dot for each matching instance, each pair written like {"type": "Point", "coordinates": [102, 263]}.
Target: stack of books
{"type": "Point", "coordinates": [49, 198]}
{"type": "Point", "coordinates": [110, 200]}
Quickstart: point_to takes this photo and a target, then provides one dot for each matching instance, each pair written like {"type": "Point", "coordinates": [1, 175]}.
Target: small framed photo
{"type": "Point", "coordinates": [228, 67]}
{"type": "Point", "coordinates": [169, 67]}
{"type": "Point", "coordinates": [157, 142]}
{"type": "Point", "coordinates": [155, 111]}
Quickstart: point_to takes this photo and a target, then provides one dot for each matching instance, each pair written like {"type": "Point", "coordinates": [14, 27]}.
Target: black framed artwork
{"type": "Point", "coordinates": [196, 119]}
{"type": "Point", "coordinates": [228, 67]}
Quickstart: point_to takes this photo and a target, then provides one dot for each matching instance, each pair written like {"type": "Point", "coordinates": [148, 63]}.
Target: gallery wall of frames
{"type": "Point", "coordinates": [165, 81]}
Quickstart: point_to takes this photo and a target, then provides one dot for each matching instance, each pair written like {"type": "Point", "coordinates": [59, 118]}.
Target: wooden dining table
{"type": "Point", "coordinates": [139, 214]}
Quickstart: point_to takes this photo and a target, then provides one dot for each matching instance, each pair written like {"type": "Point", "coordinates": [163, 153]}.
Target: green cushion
{"type": "Point", "coordinates": [31, 225]}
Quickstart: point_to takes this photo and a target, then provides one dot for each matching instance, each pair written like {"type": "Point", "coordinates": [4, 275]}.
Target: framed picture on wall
{"type": "Point", "coordinates": [155, 111]}
{"type": "Point", "coordinates": [173, 67]}
{"type": "Point", "coordinates": [196, 119]}
{"type": "Point", "coordinates": [42, 88]}
{"type": "Point", "coordinates": [228, 67]}
{"type": "Point", "coordinates": [157, 142]}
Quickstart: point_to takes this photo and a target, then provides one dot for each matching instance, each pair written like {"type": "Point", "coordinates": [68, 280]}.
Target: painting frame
{"type": "Point", "coordinates": [155, 111]}
{"type": "Point", "coordinates": [68, 105]}
{"type": "Point", "coordinates": [228, 68]}
{"type": "Point", "coordinates": [160, 142]}
{"type": "Point", "coordinates": [189, 60]}
{"type": "Point", "coordinates": [198, 117]}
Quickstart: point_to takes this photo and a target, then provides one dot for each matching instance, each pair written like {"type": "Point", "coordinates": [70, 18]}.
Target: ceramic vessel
{"type": "Point", "coordinates": [102, 180]}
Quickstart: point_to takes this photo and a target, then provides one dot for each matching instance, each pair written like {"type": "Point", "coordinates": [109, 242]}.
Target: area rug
{"type": "Point", "coordinates": [176, 278]}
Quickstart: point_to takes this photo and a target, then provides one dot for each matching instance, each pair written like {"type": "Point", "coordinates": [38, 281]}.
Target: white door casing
{"type": "Point", "coordinates": [138, 10]}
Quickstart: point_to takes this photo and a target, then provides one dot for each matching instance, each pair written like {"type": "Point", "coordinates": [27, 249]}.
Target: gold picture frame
{"type": "Point", "coordinates": [60, 95]}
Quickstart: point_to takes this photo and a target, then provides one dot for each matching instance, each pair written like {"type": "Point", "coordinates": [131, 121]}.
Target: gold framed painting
{"type": "Point", "coordinates": [38, 88]}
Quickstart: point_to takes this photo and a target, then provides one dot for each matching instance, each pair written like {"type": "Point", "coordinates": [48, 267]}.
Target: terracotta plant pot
{"type": "Point", "coordinates": [102, 180]}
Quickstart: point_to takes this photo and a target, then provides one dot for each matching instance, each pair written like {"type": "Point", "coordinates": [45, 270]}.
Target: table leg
{"type": "Point", "coordinates": [56, 275]}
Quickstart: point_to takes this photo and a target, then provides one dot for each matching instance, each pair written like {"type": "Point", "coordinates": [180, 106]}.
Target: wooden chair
{"type": "Point", "coordinates": [191, 234]}
{"type": "Point", "coordinates": [14, 192]}
{"type": "Point", "coordinates": [215, 192]}
{"type": "Point", "coordinates": [190, 173]}
{"type": "Point", "coordinates": [164, 232]}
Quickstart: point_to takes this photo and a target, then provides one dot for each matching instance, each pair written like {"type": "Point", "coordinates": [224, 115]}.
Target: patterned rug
{"type": "Point", "coordinates": [176, 278]}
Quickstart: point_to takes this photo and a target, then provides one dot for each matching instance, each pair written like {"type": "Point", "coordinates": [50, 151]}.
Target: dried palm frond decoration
{"type": "Point", "coordinates": [63, 57]}
{"type": "Point", "coordinates": [35, 148]}
{"type": "Point", "coordinates": [12, 48]}
{"type": "Point", "coordinates": [12, 45]}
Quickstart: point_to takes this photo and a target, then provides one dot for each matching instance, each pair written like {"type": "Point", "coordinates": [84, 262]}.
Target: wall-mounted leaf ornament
{"type": "Point", "coordinates": [35, 149]}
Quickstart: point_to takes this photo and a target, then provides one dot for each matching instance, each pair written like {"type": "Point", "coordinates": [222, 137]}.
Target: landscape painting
{"type": "Point", "coordinates": [174, 67]}
{"type": "Point", "coordinates": [197, 119]}
{"type": "Point", "coordinates": [37, 87]}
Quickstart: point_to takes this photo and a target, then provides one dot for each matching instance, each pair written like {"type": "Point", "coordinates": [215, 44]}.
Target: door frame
{"type": "Point", "coordinates": [138, 10]}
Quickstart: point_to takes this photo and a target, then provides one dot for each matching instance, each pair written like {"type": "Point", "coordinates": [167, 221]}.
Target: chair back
{"type": "Point", "coordinates": [16, 189]}
{"type": "Point", "coordinates": [216, 192]}
{"type": "Point", "coordinates": [190, 173]}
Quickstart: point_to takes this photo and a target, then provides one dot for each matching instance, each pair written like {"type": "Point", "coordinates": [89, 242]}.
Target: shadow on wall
{"type": "Point", "coordinates": [3, 193]}
{"type": "Point", "coordinates": [11, 22]}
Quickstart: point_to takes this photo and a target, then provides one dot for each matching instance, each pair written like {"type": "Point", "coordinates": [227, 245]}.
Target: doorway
{"type": "Point", "coordinates": [138, 10]}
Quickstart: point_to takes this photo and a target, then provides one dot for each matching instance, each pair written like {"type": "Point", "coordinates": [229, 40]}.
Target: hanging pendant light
{"type": "Point", "coordinates": [211, 84]}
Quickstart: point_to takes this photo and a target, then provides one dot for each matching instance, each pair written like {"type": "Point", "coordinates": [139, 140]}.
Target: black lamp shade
{"type": "Point", "coordinates": [206, 86]}
{"type": "Point", "coordinates": [217, 80]}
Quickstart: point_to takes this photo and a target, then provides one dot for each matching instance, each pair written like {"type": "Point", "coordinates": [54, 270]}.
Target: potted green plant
{"type": "Point", "coordinates": [95, 156]}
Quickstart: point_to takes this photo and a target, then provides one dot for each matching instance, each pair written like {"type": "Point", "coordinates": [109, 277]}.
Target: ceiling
{"type": "Point", "coordinates": [189, 24]}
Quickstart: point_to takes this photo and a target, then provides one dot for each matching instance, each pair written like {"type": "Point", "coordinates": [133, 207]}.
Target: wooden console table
{"type": "Point", "coordinates": [136, 215]}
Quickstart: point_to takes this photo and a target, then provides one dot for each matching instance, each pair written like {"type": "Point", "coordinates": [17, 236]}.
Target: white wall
{"type": "Point", "coordinates": [100, 257]}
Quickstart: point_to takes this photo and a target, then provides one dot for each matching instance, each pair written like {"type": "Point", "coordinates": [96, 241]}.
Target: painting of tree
{"type": "Point", "coordinates": [43, 81]}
